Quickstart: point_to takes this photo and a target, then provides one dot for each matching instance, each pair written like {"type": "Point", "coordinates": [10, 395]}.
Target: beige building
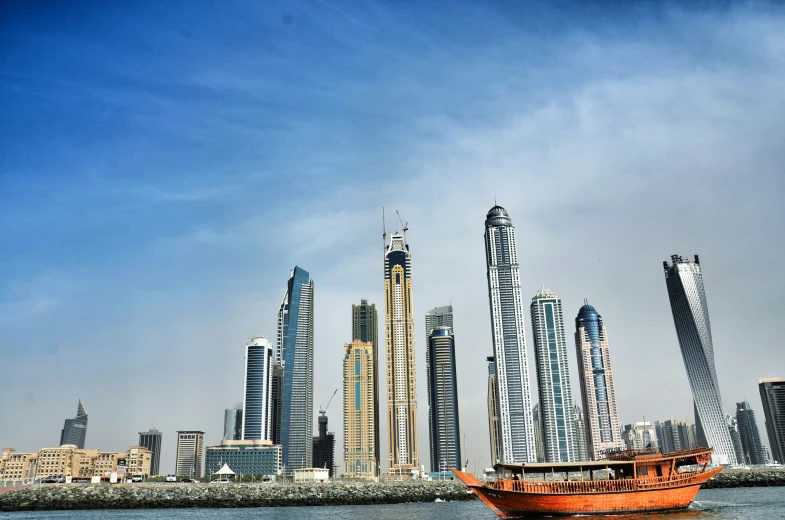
{"type": "Point", "coordinates": [138, 460]}
{"type": "Point", "coordinates": [359, 429]}
{"type": "Point", "coordinates": [403, 456]}
{"type": "Point", "coordinates": [67, 460]}
{"type": "Point", "coordinates": [311, 475]}
{"type": "Point", "coordinates": [15, 465]}
{"type": "Point", "coordinates": [106, 462]}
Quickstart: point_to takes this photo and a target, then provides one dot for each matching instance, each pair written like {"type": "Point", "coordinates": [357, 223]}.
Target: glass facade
{"type": "Point", "coordinates": [75, 430]}
{"type": "Point", "coordinates": [509, 339]}
{"type": "Point", "coordinates": [151, 440]}
{"type": "Point", "coordinates": [258, 460]}
{"type": "Point", "coordinates": [553, 378]}
{"type": "Point", "coordinates": [752, 449]}
{"type": "Point", "coordinates": [444, 424]}
{"type": "Point", "coordinates": [296, 328]}
{"type": "Point", "coordinates": [772, 396]}
{"type": "Point", "coordinates": [256, 413]}
{"type": "Point", "coordinates": [684, 280]}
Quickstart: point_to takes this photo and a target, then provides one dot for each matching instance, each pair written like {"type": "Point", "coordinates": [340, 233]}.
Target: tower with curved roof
{"type": "Point", "coordinates": [509, 339]}
{"type": "Point", "coordinates": [595, 374]}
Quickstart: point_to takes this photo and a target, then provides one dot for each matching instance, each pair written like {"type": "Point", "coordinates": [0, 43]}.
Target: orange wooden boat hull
{"type": "Point", "coordinates": [514, 504]}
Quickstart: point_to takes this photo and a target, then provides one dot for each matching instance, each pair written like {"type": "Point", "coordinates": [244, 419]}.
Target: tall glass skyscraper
{"type": "Point", "coordinates": [691, 317]}
{"type": "Point", "coordinates": [553, 378]}
{"type": "Point", "coordinates": [772, 396]}
{"type": "Point", "coordinates": [296, 332]}
{"type": "Point", "coordinates": [233, 423]}
{"type": "Point", "coordinates": [494, 426]}
{"type": "Point", "coordinates": [151, 440]}
{"type": "Point", "coordinates": [444, 425]}
{"type": "Point", "coordinates": [365, 328]}
{"type": "Point", "coordinates": [75, 430]}
{"type": "Point", "coordinates": [509, 339]}
{"type": "Point", "coordinates": [257, 413]}
{"type": "Point", "coordinates": [403, 455]}
{"type": "Point", "coordinates": [750, 436]}
{"type": "Point", "coordinates": [598, 393]}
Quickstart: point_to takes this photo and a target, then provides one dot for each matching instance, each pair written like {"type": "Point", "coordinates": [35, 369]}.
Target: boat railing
{"type": "Point", "coordinates": [593, 486]}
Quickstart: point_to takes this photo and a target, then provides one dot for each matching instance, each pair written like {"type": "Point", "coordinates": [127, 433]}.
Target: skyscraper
{"type": "Point", "coordinates": [403, 455]}
{"type": "Point", "coordinates": [151, 440]}
{"type": "Point", "coordinates": [75, 430]}
{"type": "Point", "coordinates": [359, 444]}
{"type": "Point", "coordinates": [553, 378]}
{"type": "Point", "coordinates": [276, 403]}
{"type": "Point", "coordinates": [443, 423]}
{"type": "Point", "coordinates": [324, 447]}
{"type": "Point", "coordinates": [233, 423]}
{"type": "Point", "coordinates": [509, 339]}
{"type": "Point", "coordinates": [296, 330]}
{"type": "Point", "coordinates": [691, 317]}
{"type": "Point", "coordinates": [581, 448]}
{"type": "Point", "coordinates": [750, 437]}
{"type": "Point", "coordinates": [735, 438]}
{"type": "Point", "coordinates": [494, 425]}
{"type": "Point", "coordinates": [772, 396]}
{"type": "Point", "coordinates": [668, 436]}
{"type": "Point", "coordinates": [539, 449]}
{"type": "Point", "coordinates": [365, 328]}
{"type": "Point", "coordinates": [190, 454]}
{"type": "Point", "coordinates": [257, 415]}
{"type": "Point", "coordinates": [438, 317]}
{"type": "Point", "coordinates": [598, 392]}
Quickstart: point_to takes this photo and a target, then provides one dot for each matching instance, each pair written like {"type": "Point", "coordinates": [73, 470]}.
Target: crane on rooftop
{"type": "Point", "coordinates": [323, 411]}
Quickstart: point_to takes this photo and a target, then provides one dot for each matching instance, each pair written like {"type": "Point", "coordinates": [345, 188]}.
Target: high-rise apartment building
{"type": "Point", "coordinates": [276, 403]}
{"type": "Point", "coordinates": [296, 332]}
{"type": "Point", "coordinates": [684, 280]}
{"type": "Point", "coordinates": [438, 317]}
{"type": "Point", "coordinates": [639, 435]}
{"type": "Point", "coordinates": [190, 454]}
{"type": "Point", "coordinates": [74, 430]}
{"type": "Point", "coordinates": [233, 423]}
{"type": "Point", "coordinates": [581, 447]}
{"type": "Point", "coordinates": [509, 339]}
{"type": "Point", "coordinates": [772, 396]}
{"type": "Point", "coordinates": [539, 448]}
{"type": "Point", "coordinates": [443, 421]}
{"type": "Point", "coordinates": [324, 447]}
{"type": "Point", "coordinates": [494, 425]}
{"type": "Point", "coordinates": [257, 390]}
{"type": "Point", "coordinates": [553, 378]}
{"type": "Point", "coordinates": [668, 435]}
{"type": "Point", "coordinates": [403, 454]}
{"type": "Point", "coordinates": [687, 436]}
{"type": "Point", "coordinates": [365, 328]}
{"type": "Point", "coordinates": [598, 393]}
{"type": "Point", "coordinates": [359, 444]}
{"type": "Point", "coordinates": [749, 434]}
{"type": "Point", "coordinates": [151, 440]}
{"type": "Point", "coordinates": [735, 438]}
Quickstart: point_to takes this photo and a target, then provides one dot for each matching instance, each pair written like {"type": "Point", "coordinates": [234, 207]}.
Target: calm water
{"type": "Point", "coordinates": [711, 504]}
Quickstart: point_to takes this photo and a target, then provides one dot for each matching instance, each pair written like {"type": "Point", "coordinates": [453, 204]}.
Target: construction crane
{"type": "Point", "coordinates": [323, 411]}
{"type": "Point", "coordinates": [405, 226]}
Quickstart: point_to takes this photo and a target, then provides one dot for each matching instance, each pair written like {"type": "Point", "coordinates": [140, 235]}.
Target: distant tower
{"type": "Point", "coordinates": [691, 317]}
{"type": "Point", "coordinates": [735, 438]}
{"type": "Point", "coordinates": [444, 424]}
{"type": "Point", "coordinates": [324, 447]}
{"type": "Point", "coordinates": [748, 432]}
{"type": "Point", "coordinates": [359, 443]}
{"type": "Point", "coordinates": [598, 393]}
{"type": "Point", "coordinates": [494, 424]}
{"type": "Point", "coordinates": [772, 396]}
{"type": "Point", "coordinates": [553, 378]}
{"type": "Point", "coordinates": [438, 317]}
{"type": "Point", "coordinates": [509, 339]}
{"type": "Point", "coordinates": [151, 440]}
{"type": "Point", "coordinates": [581, 447]}
{"type": "Point", "coordinates": [296, 332]}
{"type": "Point", "coordinates": [401, 375]}
{"type": "Point", "coordinates": [257, 389]}
{"type": "Point", "coordinates": [233, 423]}
{"type": "Point", "coordinates": [539, 448]}
{"type": "Point", "coordinates": [75, 430]}
{"type": "Point", "coordinates": [365, 328]}
{"type": "Point", "coordinates": [190, 454]}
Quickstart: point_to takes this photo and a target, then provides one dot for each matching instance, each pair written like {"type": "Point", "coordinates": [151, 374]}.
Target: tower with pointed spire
{"type": "Point", "coordinates": [402, 455]}
{"type": "Point", "coordinates": [75, 430]}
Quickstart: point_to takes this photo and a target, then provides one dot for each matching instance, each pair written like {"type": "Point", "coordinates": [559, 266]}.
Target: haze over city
{"type": "Point", "coordinates": [162, 169]}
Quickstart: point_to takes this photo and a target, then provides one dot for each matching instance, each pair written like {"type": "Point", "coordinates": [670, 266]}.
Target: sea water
{"type": "Point", "coordinates": [711, 504]}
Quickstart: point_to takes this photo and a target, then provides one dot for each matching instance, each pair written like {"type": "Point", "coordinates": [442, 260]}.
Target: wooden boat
{"type": "Point", "coordinates": [628, 481]}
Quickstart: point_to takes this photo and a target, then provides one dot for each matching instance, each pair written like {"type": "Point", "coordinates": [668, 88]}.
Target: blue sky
{"type": "Point", "coordinates": [162, 167]}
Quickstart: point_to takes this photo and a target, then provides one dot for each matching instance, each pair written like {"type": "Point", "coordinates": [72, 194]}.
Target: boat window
{"type": "Point", "coordinates": [643, 470]}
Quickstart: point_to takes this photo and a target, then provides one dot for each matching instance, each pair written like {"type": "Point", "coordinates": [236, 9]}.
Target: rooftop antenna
{"type": "Point", "coordinates": [405, 226]}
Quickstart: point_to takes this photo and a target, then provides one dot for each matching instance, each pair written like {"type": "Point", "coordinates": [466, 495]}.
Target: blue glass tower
{"type": "Point", "coordinates": [297, 359]}
{"type": "Point", "coordinates": [75, 430]}
{"type": "Point", "coordinates": [256, 414]}
{"type": "Point", "coordinates": [445, 432]}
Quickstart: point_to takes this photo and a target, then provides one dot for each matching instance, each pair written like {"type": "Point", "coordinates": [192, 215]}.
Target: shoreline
{"type": "Point", "coordinates": [51, 497]}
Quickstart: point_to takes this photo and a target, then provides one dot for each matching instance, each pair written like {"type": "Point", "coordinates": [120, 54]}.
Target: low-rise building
{"type": "Point", "coordinates": [138, 460]}
{"type": "Point", "coordinates": [311, 475]}
{"type": "Point", "coordinates": [245, 457]}
{"type": "Point", "coordinates": [106, 462]}
{"type": "Point", "coordinates": [15, 465]}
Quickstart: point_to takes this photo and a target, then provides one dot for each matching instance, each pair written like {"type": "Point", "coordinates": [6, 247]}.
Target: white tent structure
{"type": "Point", "coordinates": [225, 471]}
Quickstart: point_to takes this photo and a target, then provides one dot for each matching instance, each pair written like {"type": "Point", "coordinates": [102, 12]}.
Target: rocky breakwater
{"type": "Point", "coordinates": [148, 496]}
{"type": "Point", "coordinates": [740, 478]}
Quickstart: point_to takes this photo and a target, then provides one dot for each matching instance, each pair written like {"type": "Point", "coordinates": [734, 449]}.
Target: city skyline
{"type": "Point", "coordinates": [155, 201]}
